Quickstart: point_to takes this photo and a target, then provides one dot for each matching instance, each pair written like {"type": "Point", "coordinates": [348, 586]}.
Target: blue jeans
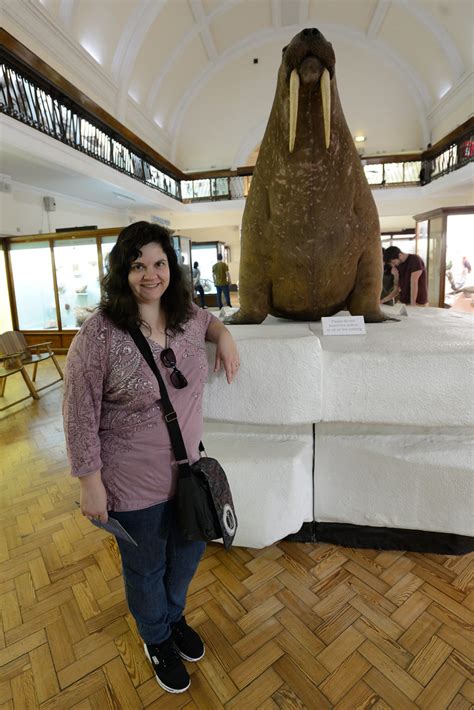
{"type": "Point", "coordinates": [223, 290]}
{"type": "Point", "coordinates": [158, 572]}
{"type": "Point", "coordinates": [199, 289]}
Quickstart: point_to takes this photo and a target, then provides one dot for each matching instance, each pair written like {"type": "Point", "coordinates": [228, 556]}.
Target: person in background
{"type": "Point", "coordinates": [117, 439]}
{"type": "Point", "coordinates": [221, 276]}
{"type": "Point", "coordinates": [197, 284]}
{"type": "Point", "coordinates": [412, 274]}
{"type": "Point", "coordinates": [390, 284]}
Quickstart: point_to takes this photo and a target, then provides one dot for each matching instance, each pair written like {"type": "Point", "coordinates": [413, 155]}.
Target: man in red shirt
{"type": "Point", "coordinates": [413, 286]}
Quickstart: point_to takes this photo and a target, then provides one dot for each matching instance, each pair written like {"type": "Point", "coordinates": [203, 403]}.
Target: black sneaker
{"type": "Point", "coordinates": [188, 642]}
{"type": "Point", "coordinates": [168, 666]}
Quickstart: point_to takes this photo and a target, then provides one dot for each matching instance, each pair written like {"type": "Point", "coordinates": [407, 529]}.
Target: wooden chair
{"type": "Point", "coordinates": [15, 354]}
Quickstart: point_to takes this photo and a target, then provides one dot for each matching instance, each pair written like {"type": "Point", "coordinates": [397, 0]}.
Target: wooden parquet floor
{"type": "Point", "coordinates": [291, 626]}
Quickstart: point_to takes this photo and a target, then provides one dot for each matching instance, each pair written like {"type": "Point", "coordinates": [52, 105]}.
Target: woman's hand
{"type": "Point", "coordinates": [227, 355]}
{"type": "Point", "coordinates": [226, 349]}
{"type": "Point", "coordinates": [93, 497]}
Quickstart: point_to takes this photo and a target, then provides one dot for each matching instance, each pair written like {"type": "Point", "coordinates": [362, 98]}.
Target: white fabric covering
{"type": "Point", "coordinates": [279, 381]}
{"type": "Point", "coordinates": [392, 449]}
{"type": "Point", "coordinates": [397, 477]}
{"type": "Point", "coordinates": [270, 476]}
{"type": "Point", "coordinates": [418, 371]}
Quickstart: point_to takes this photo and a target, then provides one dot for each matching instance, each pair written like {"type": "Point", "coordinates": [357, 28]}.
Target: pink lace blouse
{"type": "Point", "coordinates": [112, 414]}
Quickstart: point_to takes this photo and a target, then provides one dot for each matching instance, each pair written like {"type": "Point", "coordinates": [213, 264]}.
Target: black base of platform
{"type": "Point", "coordinates": [363, 536]}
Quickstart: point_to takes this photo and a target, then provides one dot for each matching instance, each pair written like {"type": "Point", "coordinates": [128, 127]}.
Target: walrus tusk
{"type": "Point", "coordinates": [294, 93]}
{"type": "Point", "coordinates": [326, 101]}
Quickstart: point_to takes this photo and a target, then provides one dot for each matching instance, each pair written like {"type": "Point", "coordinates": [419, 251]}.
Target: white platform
{"type": "Point", "coordinates": [418, 371]}
{"type": "Point", "coordinates": [392, 409]}
{"type": "Point", "coordinates": [279, 381]}
{"type": "Point", "coordinates": [397, 477]}
{"type": "Point", "coordinates": [270, 475]}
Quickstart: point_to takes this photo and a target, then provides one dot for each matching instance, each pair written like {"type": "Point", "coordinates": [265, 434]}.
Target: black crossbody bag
{"type": "Point", "coordinates": [203, 499]}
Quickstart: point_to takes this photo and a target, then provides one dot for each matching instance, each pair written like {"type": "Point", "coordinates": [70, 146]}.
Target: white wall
{"type": "Point", "coordinates": [22, 212]}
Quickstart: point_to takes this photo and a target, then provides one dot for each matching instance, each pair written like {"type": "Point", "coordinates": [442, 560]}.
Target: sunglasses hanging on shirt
{"type": "Point", "coordinates": [168, 358]}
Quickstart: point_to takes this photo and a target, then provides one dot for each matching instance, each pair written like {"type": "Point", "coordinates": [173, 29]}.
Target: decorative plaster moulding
{"type": "Point", "coordinates": [179, 50]}
{"type": "Point", "coordinates": [462, 90]}
{"type": "Point", "coordinates": [46, 34]}
{"type": "Point", "coordinates": [442, 37]}
{"type": "Point", "coordinates": [248, 144]}
{"type": "Point", "coordinates": [143, 126]}
{"type": "Point", "coordinates": [415, 85]}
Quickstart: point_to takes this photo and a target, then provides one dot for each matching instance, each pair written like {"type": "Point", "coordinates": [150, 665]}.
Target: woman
{"type": "Point", "coordinates": [197, 284]}
{"type": "Point", "coordinates": [117, 439]}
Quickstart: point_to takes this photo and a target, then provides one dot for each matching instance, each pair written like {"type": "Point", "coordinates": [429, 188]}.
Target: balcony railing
{"type": "Point", "coordinates": [57, 116]}
{"type": "Point", "coordinates": [37, 102]}
{"type": "Point", "coordinates": [391, 171]}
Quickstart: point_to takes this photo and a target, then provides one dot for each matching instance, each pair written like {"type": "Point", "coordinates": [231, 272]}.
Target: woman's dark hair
{"type": "Point", "coordinates": [118, 302]}
{"type": "Point", "coordinates": [195, 265]}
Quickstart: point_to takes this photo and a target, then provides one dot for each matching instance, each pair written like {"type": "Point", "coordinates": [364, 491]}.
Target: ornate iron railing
{"type": "Point", "coordinates": [391, 171]}
{"type": "Point", "coordinates": [39, 104]}
{"type": "Point", "coordinates": [57, 116]}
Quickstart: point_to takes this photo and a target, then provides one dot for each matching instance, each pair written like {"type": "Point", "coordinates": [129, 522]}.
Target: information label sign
{"type": "Point", "coordinates": [344, 325]}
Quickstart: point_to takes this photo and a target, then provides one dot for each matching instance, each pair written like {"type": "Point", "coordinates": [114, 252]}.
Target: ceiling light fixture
{"type": "Point", "coordinates": [359, 139]}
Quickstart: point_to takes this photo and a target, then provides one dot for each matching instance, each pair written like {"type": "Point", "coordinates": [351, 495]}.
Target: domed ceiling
{"type": "Point", "coordinates": [195, 78]}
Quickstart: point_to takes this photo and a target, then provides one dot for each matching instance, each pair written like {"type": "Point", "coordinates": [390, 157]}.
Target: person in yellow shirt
{"type": "Point", "coordinates": [221, 276]}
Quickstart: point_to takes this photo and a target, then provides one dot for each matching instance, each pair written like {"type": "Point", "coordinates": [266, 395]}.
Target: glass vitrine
{"type": "Point", "coordinates": [182, 247]}
{"type": "Point", "coordinates": [444, 236]}
{"type": "Point", "coordinates": [422, 239]}
{"type": "Point", "coordinates": [459, 282]}
{"type": "Point", "coordinates": [33, 285]}
{"type": "Point", "coordinates": [77, 277]}
{"type": "Point", "coordinates": [435, 252]}
{"type": "Point", "coordinates": [107, 245]}
{"type": "Point", "coordinates": [55, 279]}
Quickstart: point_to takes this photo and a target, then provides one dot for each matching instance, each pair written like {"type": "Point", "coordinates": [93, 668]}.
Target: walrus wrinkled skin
{"type": "Point", "coordinates": [310, 230]}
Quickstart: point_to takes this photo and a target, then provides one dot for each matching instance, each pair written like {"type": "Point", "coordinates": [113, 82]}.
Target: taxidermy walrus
{"type": "Point", "coordinates": [310, 230]}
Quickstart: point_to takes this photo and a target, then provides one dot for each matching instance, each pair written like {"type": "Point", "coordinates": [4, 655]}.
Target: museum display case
{"type": "Point", "coordinates": [54, 280]}
{"type": "Point", "coordinates": [459, 281]}
{"type": "Point", "coordinates": [182, 247]}
{"type": "Point", "coordinates": [32, 277]}
{"type": "Point", "coordinates": [444, 242]}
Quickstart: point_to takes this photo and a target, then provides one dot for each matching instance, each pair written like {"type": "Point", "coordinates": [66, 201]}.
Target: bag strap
{"type": "Point", "coordinates": [171, 419]}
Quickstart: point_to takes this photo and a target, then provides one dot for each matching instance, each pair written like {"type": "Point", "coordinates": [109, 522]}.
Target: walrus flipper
{"type": "Point", "coordinates": [242, 317]}
{"type": "Point", "coordinates": [254, 290]}
{"type": "Point", "coordinates": [256, 308]}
